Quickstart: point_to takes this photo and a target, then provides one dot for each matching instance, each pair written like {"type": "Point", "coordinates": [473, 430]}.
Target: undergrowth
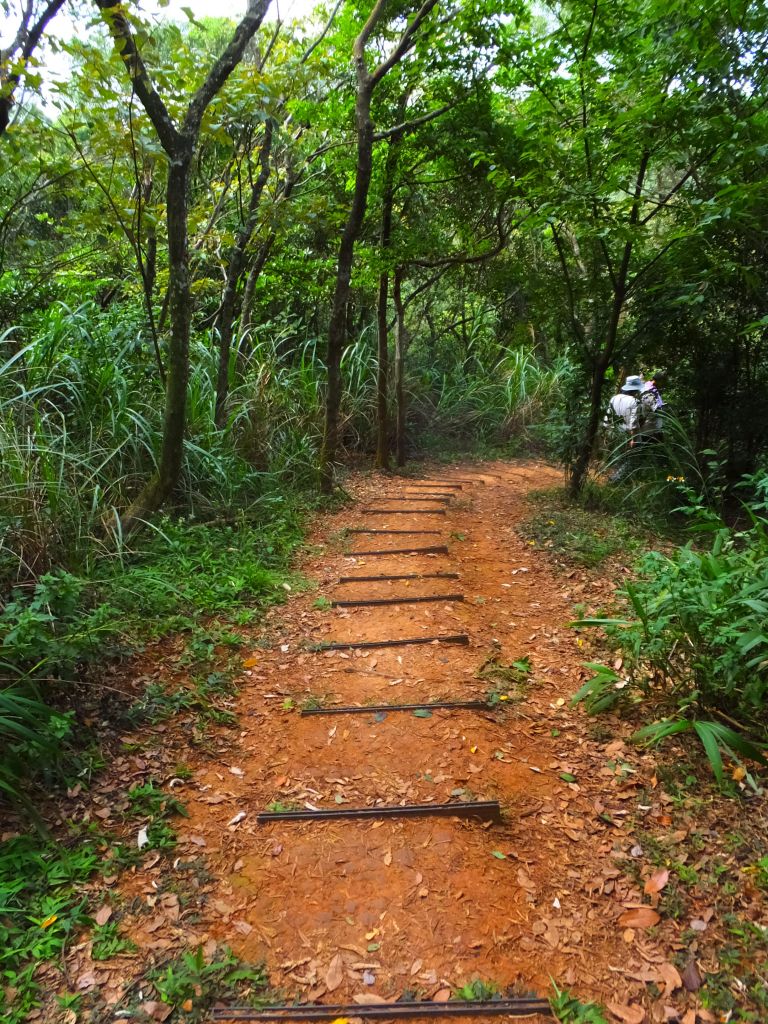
{"type": "Point", "coordinates": [691, 629]}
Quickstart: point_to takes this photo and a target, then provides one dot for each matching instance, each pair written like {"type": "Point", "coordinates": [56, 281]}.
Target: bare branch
{"type": "Point", "coordinates": [405, 42]}
{"type": "Point", "coordinates": [409, 126]}
{"type": "Point", "coordinates": [24, 45]}
{"type": "Point", "coordinates": [326, 29]}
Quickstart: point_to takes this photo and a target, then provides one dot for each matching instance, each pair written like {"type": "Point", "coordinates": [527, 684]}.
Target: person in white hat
{"type": "Point", "coordinates": [624, 408]}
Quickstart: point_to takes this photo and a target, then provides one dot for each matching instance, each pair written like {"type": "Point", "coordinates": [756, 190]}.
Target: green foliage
{"type": "Point", "coordinates": [30, 732]}
{"type": "Point", "coordinates": [40, 911]}
{"type": "Point", "coordinates": [476, 402]}
{"type": "Point", "coordinates": [575, 534]}
{"type": "Point", "coordinates": [477, 989]}
{"type": "Point", "coordinates": [191, 977]}
{"type": "Point", "coordinates": [761, 872]}
{"type": "Point", "coordinates": [570, 1010]}
{"type": "Point", "coordinates": [149, 801]}
{"type": "Point", "coordinates": [509, 681]}
{"type": "Point", "coordinates": [107, 942]}
{"type": "Point", "coordinates": [696, 645]}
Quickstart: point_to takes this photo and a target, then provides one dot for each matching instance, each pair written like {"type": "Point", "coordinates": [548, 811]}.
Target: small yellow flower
{"type": "Point", "coordinates": [504, 696]}
{"type": "Point", "coordinates": [49, 921]}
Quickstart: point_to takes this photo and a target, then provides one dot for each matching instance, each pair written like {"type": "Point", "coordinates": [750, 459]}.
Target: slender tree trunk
{"type": "Point", "coordinates": [226, 314]}
{"type": "Point", "coordinates": [179, 145]}
{"type": "Point", "coordinates": [366, 83]}
{"type": "Point", "coordinates": [246, 313]}
{"type": "Point", "coordinates": [587, 448]}
{"type": "Point", "coordinates": [382, 375]}
{"type": "Point", "coordinates": [401, 345]}
{"type": "Point", "coordinates": [246, 310]}
{"type": "Point", "coordinates": [337, 328]}
{"type": "Point", "coordinates": [164, 481]}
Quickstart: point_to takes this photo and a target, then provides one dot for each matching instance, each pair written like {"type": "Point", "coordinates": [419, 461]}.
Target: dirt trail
{"type": "Point", "coordinates": [344, 909]}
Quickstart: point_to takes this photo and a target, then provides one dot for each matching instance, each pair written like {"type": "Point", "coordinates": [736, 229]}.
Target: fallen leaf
{"type": "Point", "coordinates": [631, 1014]}
{"type": "Point", "coordinates": [671, 977]}
{"type": "Point", "coordinates": [657, 881]}
{"type": "Point", "coordinates": [690, 977]}
{"type": "Point", "coordinates": [102, 915]}
{"type": "Point", "coordinates": [442, 995]}
{"type": "Point", "coordinates": [498, 855]}
{"type": "Point", "coordinates": [416, 967]}
{"type": "Point", "coordinates": [639, 917]}
{"type": "Point", "coordinates": [369, 999]}
{"type": "Point", "coordinates": [155, 1010]}
{"type": "Point", "coordinates": [335, 973]}
{"type": "Point", "coordinates": [237, 818]}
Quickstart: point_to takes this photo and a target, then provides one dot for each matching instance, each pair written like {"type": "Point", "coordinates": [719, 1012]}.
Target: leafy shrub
{"type": "Point", "coordinates": [697, 645]}
{"type": "Point", "coordinates": [39, 912]}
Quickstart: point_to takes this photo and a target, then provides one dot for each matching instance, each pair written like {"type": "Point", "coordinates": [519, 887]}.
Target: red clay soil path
{"type": "Point", "coordinates": [347, 910]}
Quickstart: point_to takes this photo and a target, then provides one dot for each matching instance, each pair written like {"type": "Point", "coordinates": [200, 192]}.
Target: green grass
{"type": "Point", "coordinates": [191, 984]}
{"type": "Point", "coordinates": [579, 536]}
{"type": "Point", "coordinates": [41, 909]}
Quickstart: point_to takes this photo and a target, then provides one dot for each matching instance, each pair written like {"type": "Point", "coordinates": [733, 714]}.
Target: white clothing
{"type": "Point", "coordinates": [626, 408]}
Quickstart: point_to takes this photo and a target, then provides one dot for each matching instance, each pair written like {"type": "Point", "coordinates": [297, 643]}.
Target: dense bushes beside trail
{"type": "Point", "coordinates": [695, 645]}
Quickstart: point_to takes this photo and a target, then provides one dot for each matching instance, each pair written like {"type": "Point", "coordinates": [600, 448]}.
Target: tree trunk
{"type": "Point", "coordinates": [366, 83]}
{"type": "Point", "coordinates": [179, 145]}
{"type": "Point", "coordinates": [337, 328]}
{"type": "Point", "coordinates": [226, 315]}
{"type": "Point", "coordinates": [382, 375]}
{"type": "Point", "coordinates": [246, 310]}
{"type": "Point", "coordinates": [587, 447]}
{"type": "Point", "coordinates": [163, 483]}
{"type": "Point", "coordinates": [401, 344]}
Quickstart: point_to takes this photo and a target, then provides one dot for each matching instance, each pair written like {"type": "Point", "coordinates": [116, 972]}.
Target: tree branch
{"type": "Point", "coordinates": [405, 42]}
{"type": "Point", "coordinates": [409, 126]}
{"type": "Point", "coordinates": [326, 29]}
{"type": "Point", "coordinates": [26, 41]}
{"type": "Point", "coordinates": [120, 30]}
{"type": "Point", "coordinates": [224, 66]}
